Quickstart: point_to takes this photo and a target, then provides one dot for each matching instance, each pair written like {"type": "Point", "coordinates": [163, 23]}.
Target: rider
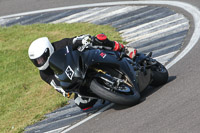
{"type": "Point", "coordinates": [41, 49]}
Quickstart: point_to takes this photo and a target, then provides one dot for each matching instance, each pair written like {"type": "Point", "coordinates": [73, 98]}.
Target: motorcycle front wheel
{"type": "Point", "coordinates": [125, 96]}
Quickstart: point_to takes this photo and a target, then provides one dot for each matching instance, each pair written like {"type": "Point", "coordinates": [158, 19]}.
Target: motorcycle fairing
{"type": "Point", "coordinates": [79, 62]}
{"type": "Point", "coordinates": [65, 65]}
{"type": "Point", "coordinates": [109, 58]}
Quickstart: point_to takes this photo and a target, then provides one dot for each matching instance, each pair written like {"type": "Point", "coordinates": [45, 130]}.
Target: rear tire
{"type": "Point", "coordinates": [159, 75]}
{"type": "Point", "coordinates": [115, 97]}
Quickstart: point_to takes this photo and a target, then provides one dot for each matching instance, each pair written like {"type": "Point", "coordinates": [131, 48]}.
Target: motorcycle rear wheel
{"type": "Point", "coordinates": [159, 75]}
{"type": "Point", "coordinates": [113, 96]}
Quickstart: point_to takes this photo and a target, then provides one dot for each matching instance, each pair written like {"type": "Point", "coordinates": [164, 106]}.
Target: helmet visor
{"type": "Point", "coordinates": [40, 61]}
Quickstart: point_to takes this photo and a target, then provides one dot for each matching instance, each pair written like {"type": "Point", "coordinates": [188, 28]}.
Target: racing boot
{"type": "Point", "coordinates": [83, 102]}
{"type": "Point", "coordinates": [131, 52]}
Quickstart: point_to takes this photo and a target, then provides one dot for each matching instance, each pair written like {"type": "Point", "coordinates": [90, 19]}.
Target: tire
{"type": "Point", "coordinates": [159, 75]}
{"type": "Point", "coordinates": [115, 97]}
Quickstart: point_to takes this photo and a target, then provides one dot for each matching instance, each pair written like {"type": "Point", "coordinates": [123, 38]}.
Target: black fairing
{"type": "Point", "coordinates": [79, 62]}
{"type": "Point", "coordinates": [65, 65]}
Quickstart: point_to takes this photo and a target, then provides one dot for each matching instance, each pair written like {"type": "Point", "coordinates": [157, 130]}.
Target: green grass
{"type": "Point", "coordinates": [24, 97]}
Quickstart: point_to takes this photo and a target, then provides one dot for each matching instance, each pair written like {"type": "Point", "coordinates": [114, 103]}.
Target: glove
{"type": "Point", "coordinates": [58, 88]}
{"type": "Point", "coordinates": [86, 42]}
{"type": "Point", "coordinates": [79, 38]}
{"type": "Point", "coordinates": [63, 92]}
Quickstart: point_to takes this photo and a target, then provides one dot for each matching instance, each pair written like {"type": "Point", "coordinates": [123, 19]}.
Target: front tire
{"type": "Point", "coordinates": [113, 96]}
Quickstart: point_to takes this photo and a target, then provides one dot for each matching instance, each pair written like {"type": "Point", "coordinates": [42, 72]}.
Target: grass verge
{"type": "Point", "coordinates": [24, 97]}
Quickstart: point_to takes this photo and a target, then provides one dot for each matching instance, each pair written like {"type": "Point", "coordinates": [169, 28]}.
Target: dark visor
{"type": "Point", "coordinates": [40, 61]}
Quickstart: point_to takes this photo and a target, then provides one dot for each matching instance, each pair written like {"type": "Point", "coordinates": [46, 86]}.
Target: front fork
{"type": "Point", "coordinates": [114, 81]}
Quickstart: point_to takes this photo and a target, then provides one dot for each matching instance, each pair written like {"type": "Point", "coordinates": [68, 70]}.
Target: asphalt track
{"type": "Point", "coordinates": [173, 107]}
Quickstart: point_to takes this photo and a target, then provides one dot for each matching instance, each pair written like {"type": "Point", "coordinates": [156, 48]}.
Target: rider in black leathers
{"type": "Point", "coordinates": [41, 49]}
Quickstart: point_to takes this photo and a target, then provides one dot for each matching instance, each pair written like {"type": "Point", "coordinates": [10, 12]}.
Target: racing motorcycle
{"type": "Point", "coordinates": [108, 75]}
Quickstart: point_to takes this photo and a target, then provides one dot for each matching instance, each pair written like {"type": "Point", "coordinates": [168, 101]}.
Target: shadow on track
{"type": "Point", "coordinates": [147, 92]}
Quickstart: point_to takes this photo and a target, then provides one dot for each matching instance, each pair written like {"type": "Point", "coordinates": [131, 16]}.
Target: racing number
{"type": "Point", "coordinates": [69, 72]}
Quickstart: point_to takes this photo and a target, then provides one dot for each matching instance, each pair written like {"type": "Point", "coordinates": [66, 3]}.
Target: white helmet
{"type": "Point", "coordinates": [40, 51]}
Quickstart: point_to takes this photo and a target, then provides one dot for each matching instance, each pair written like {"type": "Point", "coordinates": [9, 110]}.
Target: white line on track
{"type": "Point", "coordinates": [57, 130]}
{"type": "Point", "coordinates": [88, 118]}
{"type": "Point", "coordinates": [187, 7]}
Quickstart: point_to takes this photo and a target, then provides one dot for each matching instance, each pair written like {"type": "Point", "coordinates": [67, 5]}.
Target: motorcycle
{"type": "Point", "coordinates": [108, 75]}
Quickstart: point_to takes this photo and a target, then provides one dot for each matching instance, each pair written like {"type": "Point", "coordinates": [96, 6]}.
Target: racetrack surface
{"type": "Point", "coordinates": [173, 107]}
{"type": "Point", "coordinates": [8, 7]}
